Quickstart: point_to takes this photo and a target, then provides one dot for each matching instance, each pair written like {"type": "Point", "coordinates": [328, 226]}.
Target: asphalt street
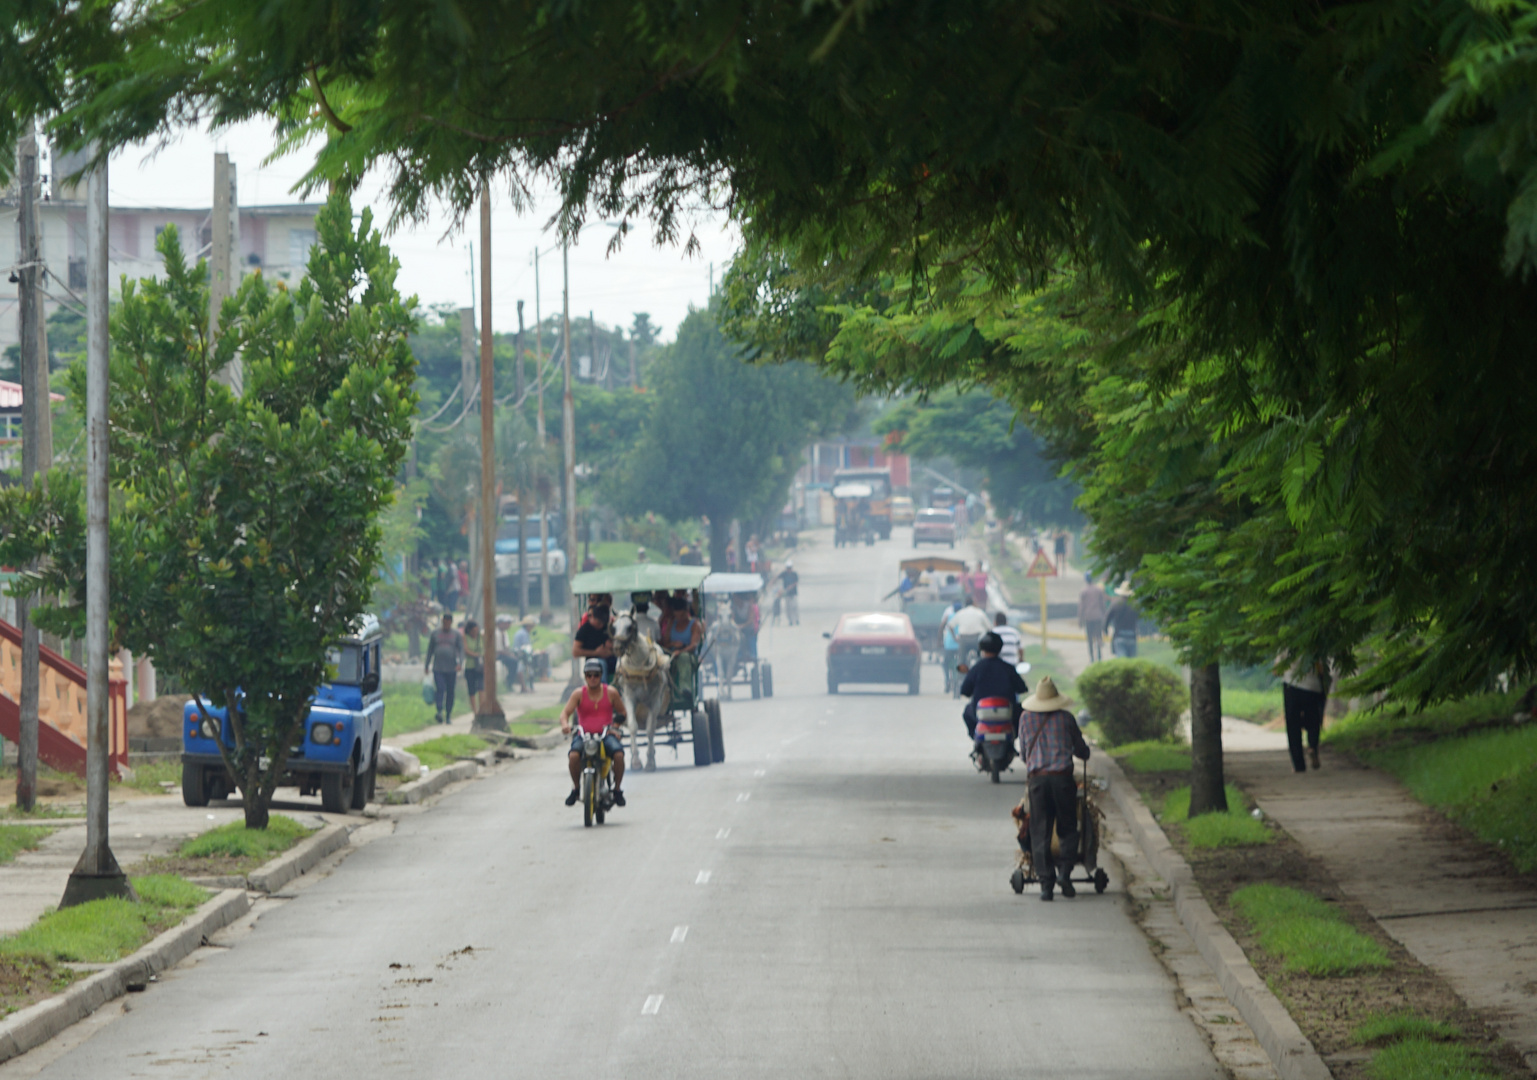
{"type": "Point", "coordinates": [832, 901]}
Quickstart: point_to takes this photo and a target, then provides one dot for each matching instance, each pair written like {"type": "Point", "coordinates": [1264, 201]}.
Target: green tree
{"type": "Point", "coordinates": [246, 532]}
{"type": "Point", "coordinates": [725, 436]}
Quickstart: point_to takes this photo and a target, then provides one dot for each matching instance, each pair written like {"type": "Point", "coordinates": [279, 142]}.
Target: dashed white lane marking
{"type": "Point", "coordinates": [761, 772]}
{"type": "Point", "coordinates": [678, 934]}
{"type": "Point", "coordinates": [652, 1006]}
{"type": "Point", "coordinates": [703, 878]}
{"type": "Point", "coordinates": [744, 796]}
{"type": "Point", "coordinates": [722, 834]}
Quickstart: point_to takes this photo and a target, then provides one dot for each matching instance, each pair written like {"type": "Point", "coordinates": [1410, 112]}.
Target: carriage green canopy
{"type": "Point", "coordinates": [642, 577]}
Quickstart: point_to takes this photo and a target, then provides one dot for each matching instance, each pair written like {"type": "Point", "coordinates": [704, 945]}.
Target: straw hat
{"type": "Point", "coordinates": [1123, 589]}
{"type": "Point", "coordinates": [530, 622]}
{"type": "Point", "coordinates": [1046, 698]}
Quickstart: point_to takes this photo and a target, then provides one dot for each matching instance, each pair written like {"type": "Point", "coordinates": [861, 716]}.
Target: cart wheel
{"type": "Point", "coordinates": [832, 685]}
{"type": "Point", "coordinates": [700, 729]}
{"type": "Point", "coordinates": [1017, 880]}
{"type": "Point", "coordinates": [1101, 879]}
{"type": "Point", "coordinates": [768, 678]}
{"type": "Point", "coordinates": [756, 683]}
{"type": "Point", "coordinates": [717, 744]}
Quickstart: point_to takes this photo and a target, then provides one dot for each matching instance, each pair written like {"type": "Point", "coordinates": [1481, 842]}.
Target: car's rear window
{"type": "Point", "coordinates": [936, 515]}
{"type": "Point", "coordinates": [876, 624]}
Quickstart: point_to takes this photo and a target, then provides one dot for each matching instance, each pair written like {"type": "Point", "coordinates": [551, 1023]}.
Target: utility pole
{"type": "Point", "coordinates": [634, 383]}
{"type": "Point", "coordinates": [544, 509]}
{"type": "Point", "coordinates": [223, 272]}
{"type": "Point", "coordinates": [97, 874]}
{"type": "Point", "coordinates": [518, 464]}
{"type": "Point", "coordinates": [592, 333]}
{"type": "Point", "coordinates": [489, 710]}
{"type": "Point", "coordinates": [568, 442]}
{"type": "Point", "coordinates": [36, 444]}
{"type": "Point", "coordinates": [466, 355]}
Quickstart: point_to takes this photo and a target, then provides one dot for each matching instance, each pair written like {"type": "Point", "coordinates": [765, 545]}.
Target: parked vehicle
{"type": "Point", "coordinates": [876, 647]}
{"type": "Point", "coordinates": [595, 787]}
{"type": "Point", "coordinates": [934, 527]}
{"type": "Point", "coordinates": [339, 755]}
{"type": "Point", "coordinates": [995, 734]}
{"type": "Point", "coordinates": [901, 510]}
{"type": "Point", "coordinates": [879, 481]}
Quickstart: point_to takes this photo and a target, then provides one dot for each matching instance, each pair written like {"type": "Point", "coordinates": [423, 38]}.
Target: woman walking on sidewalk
{"type": "Point", "coordinates": [1304, 693]}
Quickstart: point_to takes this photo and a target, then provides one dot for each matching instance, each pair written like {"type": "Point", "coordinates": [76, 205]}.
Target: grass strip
{"type": "Point", "coordinates": [1307, 934]}
{"type": "Point", "coordinates": [1367, 729]}
{"type": "Point", "coordinates": [14, 839]}
{"type": "Point", "coordinates": [1395, 1026]}
{"type": "Point", "coordinates": [1425, 1059]}
{"type": "Point", "coordinates": [1257, 706]}
{"type": "Point", "coordinates": [447, 749]}
{"type": "Point", "coordinates": [404, 709]}
{"type": "Point", "coordinates": [1154, 757]}
{"type": "Point", "coordinates": [1234, 828]}
{"type": "Point", "coordinates": [102, 931]}
{"type": "Point", "coordinates": [237, 841]}
{"type": "Point", "coordinates": [148, 777]}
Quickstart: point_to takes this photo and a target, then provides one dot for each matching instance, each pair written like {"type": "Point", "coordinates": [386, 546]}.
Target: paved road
{"type": "Point", "coordinates": [830, 902]}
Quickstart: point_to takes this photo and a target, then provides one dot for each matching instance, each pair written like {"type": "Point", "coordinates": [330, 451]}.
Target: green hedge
{"type": "Point", "coordinates": [1132, 700]}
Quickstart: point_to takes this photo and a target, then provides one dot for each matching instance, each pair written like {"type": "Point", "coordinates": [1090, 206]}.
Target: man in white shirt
{"type": "Point", "coordinates": [1009, 654]}
{"type": "Point", "coordinates": [970, 623]}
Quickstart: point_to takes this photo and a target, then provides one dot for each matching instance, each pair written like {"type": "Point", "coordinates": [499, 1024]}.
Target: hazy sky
{"type": "Point", "coordinates": [435, 263]}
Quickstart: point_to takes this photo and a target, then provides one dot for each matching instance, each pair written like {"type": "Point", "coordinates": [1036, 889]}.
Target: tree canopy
{"type": "Point", "coordinates": [245, 532]}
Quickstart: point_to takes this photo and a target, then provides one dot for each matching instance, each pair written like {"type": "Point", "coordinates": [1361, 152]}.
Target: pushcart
{"type": "Point", "coordinates": [1091, 820]}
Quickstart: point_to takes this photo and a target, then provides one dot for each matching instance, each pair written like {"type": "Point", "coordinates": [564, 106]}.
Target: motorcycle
{"type": "Point", "coordinates": [994, 751]}
{"type": "Point", "coordinates": [596, 788]}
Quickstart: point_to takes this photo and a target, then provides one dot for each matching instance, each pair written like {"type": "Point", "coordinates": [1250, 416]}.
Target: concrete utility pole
{"type": "Point", "coordinates": [488, 711]}
{"type": "Point", "coordinates": [36, 443]}
{"type": "Point", "coordinates": [223, 268]}
{"type": "Point", "coordinates": [544, 508]}
{"type": "Point", "coordinates": [466, 355]}
{"type": "Point", "coordinates": [97, 874]}
{"type": "Point", "coordinates": [522, 506]}
{"type": "Point", "coordinates": [568, 441]}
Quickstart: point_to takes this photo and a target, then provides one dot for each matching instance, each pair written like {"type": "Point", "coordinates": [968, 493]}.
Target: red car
{"type": "Point", "coordinates": [934, 527]}
{"type": "Point", "coordinates": [878, 647]}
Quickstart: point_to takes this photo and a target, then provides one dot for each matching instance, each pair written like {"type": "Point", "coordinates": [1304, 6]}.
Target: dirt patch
{"type": "Point", "coordinates": [158, 719]}
{"type": "Point", "coordinates": [1326, 1008]}
{"type": "Point", "coordinates": [26, 982]}
{"type": "Point", "coordinates": [204, 866]}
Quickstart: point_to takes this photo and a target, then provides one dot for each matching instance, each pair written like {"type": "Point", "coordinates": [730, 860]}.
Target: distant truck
{"type": "Point", "coordinates": [339, 754]}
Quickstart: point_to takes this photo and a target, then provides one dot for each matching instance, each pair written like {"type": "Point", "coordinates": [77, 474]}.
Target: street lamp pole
{"type": "Point", "coordinates": [568, 443]}
{"type": "Point", "coordinates": [97, 874]}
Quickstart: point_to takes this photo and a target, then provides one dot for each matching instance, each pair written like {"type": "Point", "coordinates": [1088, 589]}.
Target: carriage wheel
{"type": "Point", "coordinates": [700, 731]}
{"type": "Point", "coordinates": [767, 678]}
{"type": "Point", "coordinates": [717, 744]}
{"type": "Point", "coordinates": [756, 682]}
{"type": "Point", "coordinates": [1017, 880]}
{"type": "Point", "coordinates": [1101, 879]}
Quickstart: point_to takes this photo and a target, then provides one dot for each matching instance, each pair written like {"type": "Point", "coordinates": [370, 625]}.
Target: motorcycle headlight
{"type": "Point", "coordinates": [321, 734]}
{"type": "Point", "coordinates": [209, 728]}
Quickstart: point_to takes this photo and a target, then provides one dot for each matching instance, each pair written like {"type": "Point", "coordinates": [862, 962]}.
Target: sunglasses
{"type": "Point", "coordinates": [594, 675]}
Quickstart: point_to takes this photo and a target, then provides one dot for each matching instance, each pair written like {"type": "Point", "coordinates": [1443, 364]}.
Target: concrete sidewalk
{"type": "Point", "coordinates": [1446, 897]}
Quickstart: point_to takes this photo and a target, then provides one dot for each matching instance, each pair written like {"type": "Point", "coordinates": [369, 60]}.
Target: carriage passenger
{"type": "Point", "coordinates": [681, 636]}
{"type": "Point", "coordinates": [592, 641]}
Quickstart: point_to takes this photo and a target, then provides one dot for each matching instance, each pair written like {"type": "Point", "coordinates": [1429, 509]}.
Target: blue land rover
{"type": "Point", "coordinates": [339, 754]}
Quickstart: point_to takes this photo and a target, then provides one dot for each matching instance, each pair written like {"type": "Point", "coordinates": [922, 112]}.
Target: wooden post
{"type": "Point", "coordinates": [489, 709]}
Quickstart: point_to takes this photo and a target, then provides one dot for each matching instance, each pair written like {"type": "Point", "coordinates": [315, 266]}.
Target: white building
{"type": "Point", "coordinates": [273, 239]}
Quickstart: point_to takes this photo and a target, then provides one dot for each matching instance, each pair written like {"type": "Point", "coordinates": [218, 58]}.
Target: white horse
{"type": "Point", "coordinates": [641, 678]}
{"type": "Point", "coordinates": [725, 644]}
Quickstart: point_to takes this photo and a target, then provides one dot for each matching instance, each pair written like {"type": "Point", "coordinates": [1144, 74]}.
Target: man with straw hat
{"type": "Point", "coordinates": [1049, 739]}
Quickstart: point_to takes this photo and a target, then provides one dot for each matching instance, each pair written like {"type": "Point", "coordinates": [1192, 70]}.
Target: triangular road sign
{"type": "Point", "coordinates": [1042, 566]}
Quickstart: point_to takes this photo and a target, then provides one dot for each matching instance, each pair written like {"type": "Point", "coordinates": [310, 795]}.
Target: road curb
{"type": "Point", "coordinates": [547, 741]}
{"type": "Point", "coordinates": [272, 875]}
{"type": "Point", "coordinates": [36, 1024]}
{"type": "Point", "coordinates": [417, 790]}
{"type": "Point", "coordinates": [1288, 1048]}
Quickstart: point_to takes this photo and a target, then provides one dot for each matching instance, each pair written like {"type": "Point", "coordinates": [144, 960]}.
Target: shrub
{"type": "Point", "coordinates": [1132, 700]}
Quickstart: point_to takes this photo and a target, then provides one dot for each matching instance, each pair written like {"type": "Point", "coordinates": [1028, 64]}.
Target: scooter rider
{"type": "Point", "coordinates": [991, 677]}
{"type": "Point", "coordinates": [970, 623]}
{"type": "Point", "coordinates": [596, 706]}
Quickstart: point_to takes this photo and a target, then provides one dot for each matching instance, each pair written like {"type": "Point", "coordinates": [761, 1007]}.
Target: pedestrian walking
{"type": "Point", "coordinates": [445, 657]}
{"type": "Point", "coordinates": [1049, 739]}
{"type": "Point", "coordinates": [1009, 637]}
{"type": "Point", "coordinates": [1059, 546]}
{"type": "Point", "coordinates": [1092, 603]}
{"type": "Point", "coordinates": [791, 582]}
{"type": "Point", "coordinates": [474, 662]}
{"type": "Point", "coordinates": [1123, 619]}
{"type": "Point", "coordinates": [1304, 693]}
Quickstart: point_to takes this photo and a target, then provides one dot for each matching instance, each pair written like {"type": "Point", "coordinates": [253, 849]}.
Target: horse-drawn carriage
{"type": "Point", "coordinates": [731, 655]}
{"type": "Point", "coordinates": [851, 520]}
{"type": "Point", "coordinates": [659, 692]}
{"type": "Point", "coordinates": [925, 605]}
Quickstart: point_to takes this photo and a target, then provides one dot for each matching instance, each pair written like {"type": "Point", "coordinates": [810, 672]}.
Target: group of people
{"type": "Point", "coordinates": [451, 652]}
{"type": "Point", "coordinates": [448, 582]}
{"type": "Point", "coordinates": [1097, 613]}
{"type": "Point", "coordinates": [1049, 740]}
